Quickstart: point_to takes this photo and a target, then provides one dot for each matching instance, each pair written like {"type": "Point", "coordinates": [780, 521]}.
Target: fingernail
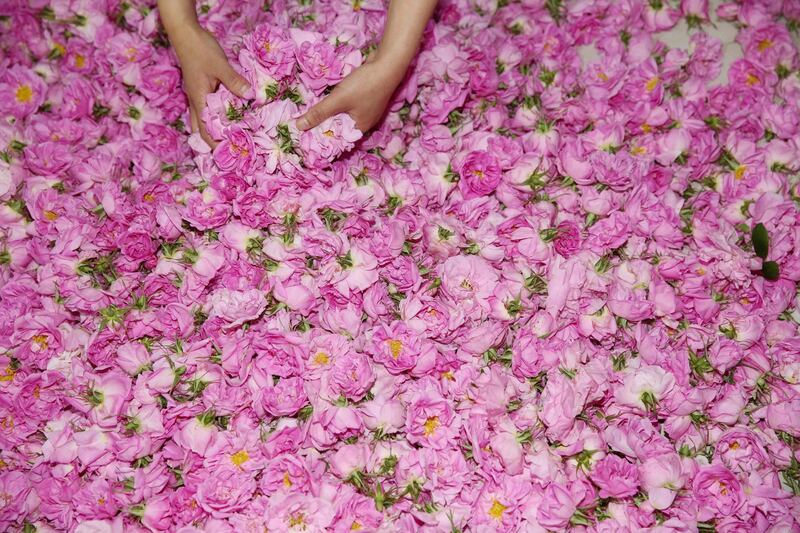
{"type": "Point", "coordinates": [248, 92]}
{"type": "Point", "coordinates": [302, 123]}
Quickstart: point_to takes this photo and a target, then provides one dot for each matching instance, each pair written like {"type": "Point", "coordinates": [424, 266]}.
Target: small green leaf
{"type": "Point", "coordinates": [760, 240]}
{"type": "Point", "coordinates": [770, 270]}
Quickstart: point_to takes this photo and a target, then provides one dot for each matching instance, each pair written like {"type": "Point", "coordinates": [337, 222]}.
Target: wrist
{"type": "Point", "coordinates": [393, 66]}
{"type": "Point", "coordinates": [185, 37]}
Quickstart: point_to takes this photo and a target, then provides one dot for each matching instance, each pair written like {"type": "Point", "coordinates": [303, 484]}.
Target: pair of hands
{"type": "Point", "coordinates": [363, 94]}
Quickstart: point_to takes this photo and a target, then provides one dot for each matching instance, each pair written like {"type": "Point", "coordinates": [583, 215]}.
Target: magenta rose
{"type": "Point", "coordinates": [223, 492]}
{"type": "Point", "coordinates": [568, 240]}
{"type": "Point", "coordinates": [480, 175]}
{"type": "Point", "coordinates": [229, 185]}
{"type": "Point", "coordinates": [137, 246]}
{"type": "Point", "coordinates": [616, 477]}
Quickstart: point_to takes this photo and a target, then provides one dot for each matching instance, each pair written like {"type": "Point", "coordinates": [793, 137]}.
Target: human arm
{"type": "Point", "coordinates": [202, 60]}
{"type": "Point", "coordinates": [365, 93]}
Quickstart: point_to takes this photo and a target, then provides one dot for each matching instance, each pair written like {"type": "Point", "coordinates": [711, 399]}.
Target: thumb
{"type": "Point", "coordinates": [236, 83]}
{"type": "Point", "coordinates": [318, 113]}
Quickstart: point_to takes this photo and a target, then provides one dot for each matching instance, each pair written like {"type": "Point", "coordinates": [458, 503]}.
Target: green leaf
{"type": "Point", "coordinates": [760, 240]}
{"type": "Point", "coordinates": [770, 270]}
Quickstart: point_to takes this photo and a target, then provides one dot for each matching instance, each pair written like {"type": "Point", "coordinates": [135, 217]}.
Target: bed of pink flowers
{"type": "Point", "coordinates": [544, 295]}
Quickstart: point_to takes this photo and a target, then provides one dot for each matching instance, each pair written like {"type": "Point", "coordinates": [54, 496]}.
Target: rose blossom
{"type": "Point", "coordinates": [225, 492]}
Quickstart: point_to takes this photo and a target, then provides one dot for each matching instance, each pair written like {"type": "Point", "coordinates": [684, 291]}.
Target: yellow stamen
{"type": "Point", "coordinates": [287, 481]}
{"type": "Point", "coordinates": [321, 358]}
{"type": "Point", "coordinates": [50, 215]}
{"type": "Point", "coordinates": [497, 509]}
{"type": "Point", "coordinates": [149, 197]}
{"type": "Point", "coordinates": [651, 84]}
{"type": "Point", "coordinates": [763, 45]}
{"type": "Point", "coordinates": [328, 133]}
{"type": "Point", "coordinates": [41, 341]}
{"type": "Point", "coordinates": [240, 457]}
{"type": "Point", "coordinates": [59, 49]}
{"type": "Point", "coordinates": [101, 501]}
{"type": "Point", "coordinates": [80, 61]}
{"type": "Point", "coordinates": [8, 374]}
{"type": "Point", "coordinates": [752, 79]}
{"type": "Point", "coordinates": [701, 271]}
{"type": "Point", "coordinates": [448, 375]}
{"type": "Point", "coordinates": [739, 172]}
{"type": "Point", "coordinates": [638, 150]}
{"type": "Point", "coordinates": [430, 425]}
{"type": "Point", "coordinates": [24, 94]}
{"type": "Point", "coordinates": [734, 445]}
{"type": "Point", "coordinates": [297, 519]}
{"type": "Point", "coordinates": [356, 526]}
{"type": "Point", "coordinates": [395, 346]}
{"type": "Point", "coordinates": [603, 76]}
{"type": "Point", "coordinates": [647, 128]}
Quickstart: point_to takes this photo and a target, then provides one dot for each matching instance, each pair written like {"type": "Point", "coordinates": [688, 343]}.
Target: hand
{"type": "Point", "coordinates": [363, 95]}
{"type": "Point", "coordinates": [204, 67]}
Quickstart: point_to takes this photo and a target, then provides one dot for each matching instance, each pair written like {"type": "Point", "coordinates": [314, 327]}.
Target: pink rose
{"type": "Point", "coordinates": [252, 207]}
{"type": "Point", "coordinates": [273, 48]}
{"type": "Point", "coordinates": [225, 491]}
{"type": "Point", "coordinates": [236, 151]}
{"type": "Point", "coordinates": [557, 507]}
{"type": "Point", "coordinates": [284, 398]}
{"type": "Point", "coordinates": [480, 175]}
{"type": "Point", "coordinates": [431, 421]}
{"type": "Point", "coordinates": [237, 307]}
{"type": "Point", "coordinates": [725, 354]}
{"type": "Point", "coordinates": [568, 240]}
{"type": "Point", "coordinates": [717, 491]}
{"type": "Point", "coordinates": [137, 246]}
{"type": "Point", "coordinates": [616, 477]}
{"type": "Point", "coordinates": [21, 91]}
{"type": "Point", "coordinates": [662, 477]}
{"type": "Point", "coordinates": [157, 514]}
{"type": "Point", "coordinates": [352, 376]}
{"type": "Point", "coordinates": [439, 103]}
{"type": "Point", "coordinates": [324, 143]}
{"type": "Point", "coordinates": [400, 349]}
{"type": "Point", "coordinates": [320, 65]}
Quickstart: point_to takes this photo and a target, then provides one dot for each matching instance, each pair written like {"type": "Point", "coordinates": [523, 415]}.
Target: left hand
{"type": "Point", "coordinates": [363, 95]}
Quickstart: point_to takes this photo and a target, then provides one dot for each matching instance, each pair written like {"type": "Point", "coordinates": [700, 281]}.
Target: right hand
{"type": "Point", "coordinates": [204, 67]}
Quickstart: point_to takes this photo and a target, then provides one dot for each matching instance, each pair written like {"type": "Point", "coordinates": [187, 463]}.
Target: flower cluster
{"type": "Point", "coordinates": [547, 293]}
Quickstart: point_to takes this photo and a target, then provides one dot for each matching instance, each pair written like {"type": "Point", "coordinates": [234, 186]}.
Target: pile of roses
{"type": "Point", "coordinates": [544, 294]}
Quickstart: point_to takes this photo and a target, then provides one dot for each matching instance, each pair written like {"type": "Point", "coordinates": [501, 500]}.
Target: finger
{"type": "Point", "coordinates": [236, 83]}
{"type": "Point", "coordinates": [328, 107]}
{"type": "Point", "coordinates": [193, 119]}
{"type": "Point", "coordinates": [199, 126]}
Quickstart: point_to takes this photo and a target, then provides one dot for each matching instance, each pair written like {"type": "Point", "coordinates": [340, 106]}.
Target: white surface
{"type": "Point", "coordinates": [678, 37]}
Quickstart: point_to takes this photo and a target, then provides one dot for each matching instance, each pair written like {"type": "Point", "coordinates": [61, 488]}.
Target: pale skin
{"type": "Point", "coordinates": [363, 94]}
